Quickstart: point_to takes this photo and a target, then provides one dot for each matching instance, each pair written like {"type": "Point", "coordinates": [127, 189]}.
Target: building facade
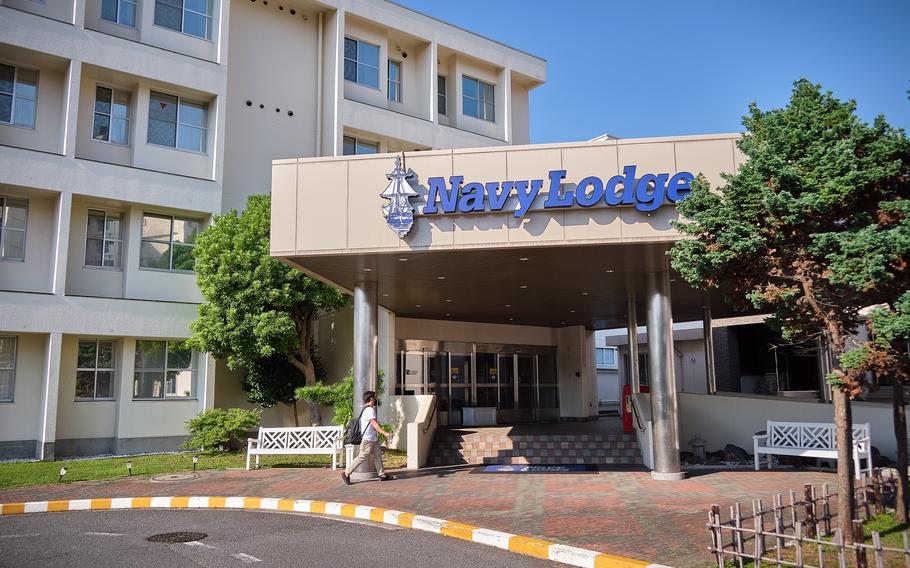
{"type": "Point", "coordinates": [126, 125]}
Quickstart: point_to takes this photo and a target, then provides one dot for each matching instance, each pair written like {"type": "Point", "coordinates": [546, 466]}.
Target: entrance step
{"type": "Point", "coordinates": [455, 447]}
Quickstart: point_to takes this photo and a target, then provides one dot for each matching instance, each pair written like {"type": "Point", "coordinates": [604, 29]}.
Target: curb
{"type": "Point", "coordinates": [537, 548]}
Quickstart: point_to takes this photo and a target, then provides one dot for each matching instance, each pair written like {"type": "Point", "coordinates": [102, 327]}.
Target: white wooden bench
{"type": "Point", "coordinates": [810, 439]}
{"type": "Point", "coordinates": [308, 440]}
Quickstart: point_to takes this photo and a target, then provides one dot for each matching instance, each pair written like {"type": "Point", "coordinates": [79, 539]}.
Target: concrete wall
{"type": "Point", "coordinates": [19, 420]}
{"type": "Point", "coordinates": [733, 418]}
{"type": "Point", "coordinates": [577, 373]}
{"type": "Point", "coordinates": [34, 273]}
{"type": "Point", "coordinates": [440, 330]}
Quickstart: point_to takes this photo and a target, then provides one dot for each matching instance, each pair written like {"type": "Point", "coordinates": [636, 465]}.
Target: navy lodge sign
{"type": "Point", "coordinates": [646, 193]}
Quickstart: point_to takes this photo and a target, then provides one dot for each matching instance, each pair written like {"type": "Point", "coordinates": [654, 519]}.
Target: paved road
{"type": "Point", "coordinates": [236, 539]}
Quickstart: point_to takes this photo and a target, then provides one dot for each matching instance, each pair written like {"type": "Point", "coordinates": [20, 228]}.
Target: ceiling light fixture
{"type": "Point", "coordinates": [524, 258]}
{"type": "Point", "coordinates": [584, 293]}
{"type": "Point", "coordinates": [419, 306]}
{"type": "Point", "coordinates": [609, 270]}
{"type": "Point", "coordinates": [402, 260]}
{"type": "Point", "coordinates": [440, 278]}
{"type": "Point", "coordinates": [524, 286]}
{"type": "Point", "coordinates": [448, 300]}
{"type": "Point", "coordinates": [368, 270]}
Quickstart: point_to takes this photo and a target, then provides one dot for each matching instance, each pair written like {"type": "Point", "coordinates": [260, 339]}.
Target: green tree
{"type": "Point", "coordinates": [791, 232]}
{"type": "Point", "coordinates": [258, 313]}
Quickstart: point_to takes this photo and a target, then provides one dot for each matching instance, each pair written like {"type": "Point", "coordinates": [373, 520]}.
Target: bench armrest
{"type": "Point", "coordinates": [250, 442]}
{"type": "Point", "coordinates": [760, 437]}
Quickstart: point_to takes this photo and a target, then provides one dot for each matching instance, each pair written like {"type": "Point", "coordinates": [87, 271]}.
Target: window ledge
{"type": "Point", "coordinates": [168, 399]}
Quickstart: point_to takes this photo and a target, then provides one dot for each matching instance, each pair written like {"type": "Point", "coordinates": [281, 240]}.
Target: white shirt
{"type": "Point", "coordinates": [369, 433]}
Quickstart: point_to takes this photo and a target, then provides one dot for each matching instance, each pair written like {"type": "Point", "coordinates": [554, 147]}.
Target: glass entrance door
{"type": "Point", "coordinates": [526, 386]}
{"type": "Point", "coordinates": [438, 383]}
{"type": "Point", "coordinates": [459, 386]}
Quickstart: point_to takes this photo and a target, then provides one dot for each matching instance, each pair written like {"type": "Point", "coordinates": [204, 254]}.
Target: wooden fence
{"type": "Point", "coordinates": [798, 530]}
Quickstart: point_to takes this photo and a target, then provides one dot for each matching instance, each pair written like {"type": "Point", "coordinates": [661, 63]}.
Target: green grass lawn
{"type": "Point", "coordinates": [24, 474]}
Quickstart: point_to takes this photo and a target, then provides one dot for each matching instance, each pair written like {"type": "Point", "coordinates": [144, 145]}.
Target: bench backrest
{"type": "Point", "coordinates": [809, 435]}
{"type": "Point", "coordinates": [310, 437]}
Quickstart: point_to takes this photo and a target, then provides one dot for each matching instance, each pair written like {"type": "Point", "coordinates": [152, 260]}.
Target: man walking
{"type": "Point", "coordinates": [369, 444]}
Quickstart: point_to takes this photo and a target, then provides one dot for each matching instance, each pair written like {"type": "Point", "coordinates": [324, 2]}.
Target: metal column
{"type": "Point", "coordinates": [634, 376]}
{"type": "Point", "coordinates": [662, 377]}
{"type": "Point", "coordinates": [708, 332]}
{"type": "Point", "coordinates": [366, 340]}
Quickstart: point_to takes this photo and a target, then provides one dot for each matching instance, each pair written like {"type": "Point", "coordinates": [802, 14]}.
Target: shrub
{"type": "Point", "coordinates": [219, 427]}
{"type": "Point", "coordinates": [340, 396]}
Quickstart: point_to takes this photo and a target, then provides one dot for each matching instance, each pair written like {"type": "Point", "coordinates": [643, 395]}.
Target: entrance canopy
{"type": "Point", "coordinates": [548, 235]}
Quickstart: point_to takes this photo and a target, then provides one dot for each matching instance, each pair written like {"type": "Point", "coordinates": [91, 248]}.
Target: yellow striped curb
{"type": "Point", "coordinates": [522, 545]}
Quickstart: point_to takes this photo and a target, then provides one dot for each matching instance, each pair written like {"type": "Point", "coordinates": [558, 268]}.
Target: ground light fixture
{"type": "Point", "coordinates": [129, 467]}
{"type": "Point", "coordinates": [195, 461]}
{"type": "Point", "coordinates": [62, 473]}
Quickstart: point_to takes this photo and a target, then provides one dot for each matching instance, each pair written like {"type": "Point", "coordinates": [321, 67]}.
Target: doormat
{"type": "Point", "coordinates": [552, 468]}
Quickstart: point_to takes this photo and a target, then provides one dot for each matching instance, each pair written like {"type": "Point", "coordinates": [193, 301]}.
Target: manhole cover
{"type": "Point", "coordinates": [174, 477]}
{"type": "Point", "coordinates": [175, 537]}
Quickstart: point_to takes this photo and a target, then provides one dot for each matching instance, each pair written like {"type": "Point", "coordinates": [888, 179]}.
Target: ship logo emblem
{"type": "Point", "coordinates": [398, 213]}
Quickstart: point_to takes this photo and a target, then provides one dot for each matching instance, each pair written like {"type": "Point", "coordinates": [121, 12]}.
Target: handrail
{"type": "Point", "coordinates": [430, 417]}
{"type": "Point", "coordinates": [636, 415]}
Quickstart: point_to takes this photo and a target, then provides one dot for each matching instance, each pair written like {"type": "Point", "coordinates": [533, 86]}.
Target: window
{"type": "Point", "coordinates": [177, 123]}
{"type": "Point", "coordinates": [361, 62]}
{"type": "Point", "coordinates": [7, 368]}
{"type": "Point", "coordinates": [193, 17]}
{"type": "Point", "coordinates": [477, 99]}
{"type": "Point", "coordinates": [95, 370]}
{"type": "Point", "coordinates": [121, 12]}
{"type": "Point", "coordinates": [606, 358]}
{"type": "Point", "coordinates": [355, 146]}
{"type": "Point", "coordinates": [441, 94]}
{"type": "Point", "coordinates": [164, 369]}
{"type": "Point", "coordinates": [112, 116]}
{"type": "Point", "coordinates": [13, 214]}
{"type": "Point", "coordinates": [18, 95]}
{"type": "Point", "coordinates": [102, 239]}
{"type": "Point", "coordinates": [168, 242]}
{"type": "Point", "coordinates": [395, 81]}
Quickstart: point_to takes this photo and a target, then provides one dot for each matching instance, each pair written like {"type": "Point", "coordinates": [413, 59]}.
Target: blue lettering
{"type": "Point", "coordinates": [447, 197]}
{"type": "Point", "coordinates": [610, 191]}
{"type": "Point", "coordinates": [525, 196]}
{"type": "Point", "coordinates": [646, 198]}
{"type": "Point", "coordinates": [581, 195]}
{"type": "Point", "coordinates": [679, 186]}
{"type": "Point", "coordinates": [628, 185]}
{"type": "Point", "coordinates": [471, 198]}
{"type": "Point", "coordinates": [497, 200]}
{"type": "Point", "coordinates": [553, 200]}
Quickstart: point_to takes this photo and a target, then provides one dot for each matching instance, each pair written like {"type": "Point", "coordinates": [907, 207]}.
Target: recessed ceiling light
{"type": "Point", "coordinates": [402, 260]}
{"type": "Point", "coordinates": [440, 278]}
{"type": "Point", "coordinates": [508, 305]}
{"type": "Point", "coordinates": [524, 258]}
{"type": "Point", "coordinates": [448, 300]}
{"type": "Point", "coordinates": [385, 295]}
{"type": "Point", "coordinates": [584, 293]}
{"type": "Point", "coordinates": [510, 319]}
{"type": "Point", "coordinates": [562, 323]}
{"type": "Point", "coordinates": [419, 306]}
{"type": "Point", "coordinates": [368, 270]}
{"type": "Point", "coordinates": [524, 286]}
{"type": "Point", "coordinates": [571, 311]}
{"type": "Point", "coordinates": [447, 315]}
{"type": "Point", "coordinates": [608, 270]}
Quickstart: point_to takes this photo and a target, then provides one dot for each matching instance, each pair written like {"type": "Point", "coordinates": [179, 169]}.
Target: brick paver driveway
{"type": "Point", "coordinates": [621, 512]}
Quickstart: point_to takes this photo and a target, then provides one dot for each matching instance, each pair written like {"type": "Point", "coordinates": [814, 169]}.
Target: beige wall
{"type": "Point", "coordinates": [61, 10]}
{"type": "Point", "coordinates": [83, 419]}
{"type": "Point", "coordinates": [46, 135]}
{"type": "Point", "coordinates": [20, 419]}
{"type": "Point", "coordinates": [440, 330]}
{"type": "Point", "coordinates": [34, 273]}
{"type": "Point", "coordinates": [90, 280]}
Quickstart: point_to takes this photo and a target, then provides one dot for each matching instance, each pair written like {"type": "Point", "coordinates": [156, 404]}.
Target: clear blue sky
{"type": "Point", "coordinates": [645, 68]}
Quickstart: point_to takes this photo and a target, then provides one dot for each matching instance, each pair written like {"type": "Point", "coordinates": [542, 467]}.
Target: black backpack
{"type": "Point", "coordinates": [354, 435]}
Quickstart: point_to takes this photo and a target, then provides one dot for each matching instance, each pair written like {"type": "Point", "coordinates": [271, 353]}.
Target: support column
{"type": "Point", "coordinates": [366, 342]}
{"type": "Point", "coordinates": [662, 377]}
{"type": "Point", "coordinates": [708, 332]}
{"type": "Point", "coordinates": [47, 433]}
{"type": "Point", "coordinates": [634, 373]}
{"type": "Point", "coordinates": [62, 216]}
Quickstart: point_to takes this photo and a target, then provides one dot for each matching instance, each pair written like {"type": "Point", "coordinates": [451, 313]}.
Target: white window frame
{"type": "Point", "coordinates": [605, 365]}
{"type": "Point", "coordinates": [104, 240]}
{"type": "Point", "coordinates": [12, 367]}
{"type": "Point", "coordinates": [110, 115]}
{"type": "Point", "coordinates": [133, 3]}
{"type": "Point", "coordinates": [16, 96]}
{"type": "Point", "coordinates": [96, 368]}
{"type": "Point", "coordinates": [4, 229]}
{"type": "Point", "coordinates": [480, 101]}
{"type": "Point", "coordinates": [171, 244]}
{"type": "Point", "coordinates": [205, 129]}
{"type": "Point", "coordinates": [357, 142]}
{"type": "Point", "coordinates": [193, 368]}
{"type": "Point", "coordinates": [357, 63]}
{"type": "Point", "coordinates": [209, 19]}
{"type": "Point", "coordinates": [397, 83]}
{"type": "Point", "coordinates": [442, 95]}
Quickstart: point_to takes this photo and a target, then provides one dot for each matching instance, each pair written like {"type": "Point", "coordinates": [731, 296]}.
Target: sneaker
{"type": "Point", "coordinates": [345, 478]}
{"type": "Point", "coordinates": [386, 477]}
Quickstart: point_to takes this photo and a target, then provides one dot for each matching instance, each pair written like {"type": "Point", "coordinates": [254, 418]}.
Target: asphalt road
{"type": "Point", "coordinates": [236, 539]}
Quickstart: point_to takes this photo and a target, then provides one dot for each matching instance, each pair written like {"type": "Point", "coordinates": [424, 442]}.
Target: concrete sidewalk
{"type": "Point", "coordinates": [620, 512]}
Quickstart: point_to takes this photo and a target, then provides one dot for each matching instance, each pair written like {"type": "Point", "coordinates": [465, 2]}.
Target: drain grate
{"type": "Point", "coordinates": [175, 537]}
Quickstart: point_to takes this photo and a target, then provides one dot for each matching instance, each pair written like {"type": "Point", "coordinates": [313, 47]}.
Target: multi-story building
{"type": "Point", "coordinates": [125, 125]}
